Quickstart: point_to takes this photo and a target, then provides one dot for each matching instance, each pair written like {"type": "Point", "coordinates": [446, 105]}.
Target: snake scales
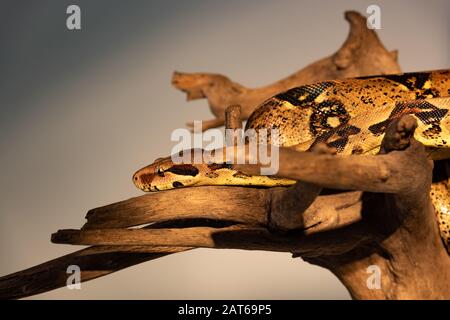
{"type": "Point", "coordinates": [349, 115]}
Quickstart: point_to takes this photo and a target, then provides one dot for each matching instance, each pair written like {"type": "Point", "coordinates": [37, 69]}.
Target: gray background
{"type": "Point", "coordinates": [80, 111]}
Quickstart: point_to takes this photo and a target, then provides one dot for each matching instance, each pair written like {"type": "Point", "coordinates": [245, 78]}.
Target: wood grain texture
{"type": "Point", "coordinates": [388, 221]}
{"type": "Point", "coordinates": [233, 117]}
{"type": "Point", "coordinates": [94, 262]}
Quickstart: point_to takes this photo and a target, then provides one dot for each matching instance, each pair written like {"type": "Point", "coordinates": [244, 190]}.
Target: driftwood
{"type": "Point", "coordinates": [394, 228]}
{"type": "Point", "coordinates": [96, 261]}
{"type": "Point", "coordinates": [361, 54]}
{"type": "Point", "coordinates": [382, 216]}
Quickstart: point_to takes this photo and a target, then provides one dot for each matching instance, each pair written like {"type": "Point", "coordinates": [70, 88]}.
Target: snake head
{"type": "Point", "coordinates": [164, 174]}
{"type": "Point", "coordinates": [169, 173]}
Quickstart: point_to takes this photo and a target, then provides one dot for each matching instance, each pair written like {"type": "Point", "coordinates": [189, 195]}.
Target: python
{"type": "Point", "coordinates": [349, 115]}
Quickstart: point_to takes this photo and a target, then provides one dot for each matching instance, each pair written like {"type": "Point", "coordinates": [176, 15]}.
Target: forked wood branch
{"type": "Point", "coordinates": [98, 261]}
{"type": "Point", "coordinates": [387, 221]}
{"type": "Point", "coordinates": [344, 232]}
{"type": "Point", "coordinates": [361, 54]}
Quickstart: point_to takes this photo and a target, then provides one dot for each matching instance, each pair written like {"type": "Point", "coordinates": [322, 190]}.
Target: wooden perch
{"type": "Point", "coordinates": [361, 54]}
{"type": "Point", "coordinates": [94, 262]}
{"type": "Point", "coordinates": [233, 117]}
{"type": "Point", "coordinates": [99, 261]}
{"type": "Point", "coordinates": [387, 221]}
{"type": "Point", "coordinates": [368, 173]}
{"type": "Point", "coordinates": [396, 231]}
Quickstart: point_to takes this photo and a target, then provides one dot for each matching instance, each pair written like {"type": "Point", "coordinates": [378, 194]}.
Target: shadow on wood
{"type": "Point", "coordinates": [383, 216]}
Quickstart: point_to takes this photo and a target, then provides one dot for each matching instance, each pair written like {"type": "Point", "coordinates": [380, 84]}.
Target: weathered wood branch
{"type": "Point", "coordinates": [233, 117]}
{"type": "Point", "coordinates": [381, 173]}
{"type": "Point", "coordinates": [94, 262]}
{"type": "Point", "coordinates": [97, 261]}
{"type": "Point", "coordinates": [290, 205]}
{"type": "Point", "coordinates": [396, 231]}
{"type": "Point", "coordinates": [391, 225]}
{"type": "Point", "coordinates": [190, 203]}
{"type": "Point", "coordinates": [361, 54]}
{"type": "Point", "coordinates": [405, 246]}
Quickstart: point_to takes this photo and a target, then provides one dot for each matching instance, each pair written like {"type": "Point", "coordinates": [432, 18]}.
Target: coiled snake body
{"type": "Point", "coordinates": [349, 115]}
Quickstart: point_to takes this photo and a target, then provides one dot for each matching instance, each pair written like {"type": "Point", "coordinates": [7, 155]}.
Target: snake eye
{"type": "Point", "coordinates": [159, 171]}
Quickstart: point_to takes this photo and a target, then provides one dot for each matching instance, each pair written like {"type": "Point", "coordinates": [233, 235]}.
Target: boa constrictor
{"type": "Point", "coordinates": [350, 115]}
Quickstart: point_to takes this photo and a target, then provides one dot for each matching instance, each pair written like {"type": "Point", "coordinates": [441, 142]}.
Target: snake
{"type": "Point", "coordinates": [349, 115]}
